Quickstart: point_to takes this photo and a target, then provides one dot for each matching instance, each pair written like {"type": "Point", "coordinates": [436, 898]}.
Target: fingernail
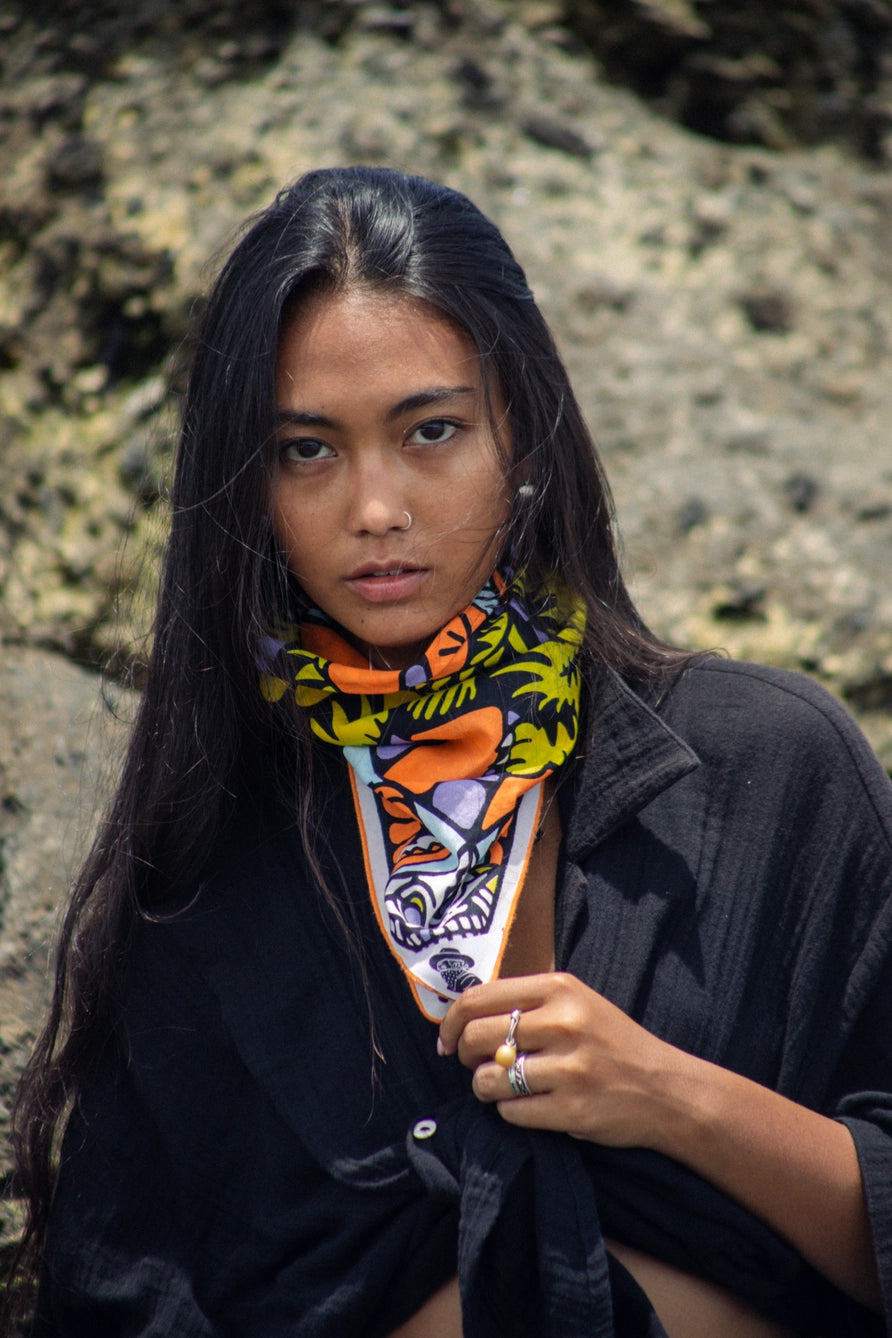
{"type": "Point", "coordinates": [441, 1049]}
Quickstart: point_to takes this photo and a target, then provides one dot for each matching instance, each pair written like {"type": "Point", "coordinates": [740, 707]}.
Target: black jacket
{"type": "Point", "coordinates": [244, 1164]}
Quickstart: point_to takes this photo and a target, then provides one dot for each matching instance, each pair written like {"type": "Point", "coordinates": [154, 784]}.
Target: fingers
{"type": "Point", "coordinates": [590, 1070]}
{"type": "Point", "coordinates": [493, 1083]}
{"type": "Point", "coordinates": [541, 1109]}
{"type": "Point", "coordinates": [478, 1021]}
{"type": "Point", "coordinates": [485, 1040]}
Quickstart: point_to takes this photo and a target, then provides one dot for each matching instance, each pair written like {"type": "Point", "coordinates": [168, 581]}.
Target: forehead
{"type": "Point", "coordinates": [359, 339]}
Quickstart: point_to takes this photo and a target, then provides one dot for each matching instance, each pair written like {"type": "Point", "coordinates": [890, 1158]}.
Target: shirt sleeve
{"type": "Point", "coordinates": [865, 1106]}
{"type": "Point", "coordinates": [745, 914]}
{"type": "Point", "coordinates": [826, 819]}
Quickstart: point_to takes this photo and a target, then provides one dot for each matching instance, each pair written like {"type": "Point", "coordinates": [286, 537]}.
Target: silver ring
{"type": "Point", "coordinates": [517, 1077]}
{"type": "Point", "coordinates": [507, 1051]}
{"type": "Point", "coordinates": [408, 524]}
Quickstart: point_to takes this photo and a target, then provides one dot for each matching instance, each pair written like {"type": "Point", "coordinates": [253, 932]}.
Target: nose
{"type": "Point", "coordinates": [376, 503]}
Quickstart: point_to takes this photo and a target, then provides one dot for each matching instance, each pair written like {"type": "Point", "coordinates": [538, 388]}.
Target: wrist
{"type": "Point", "coordinates": [686, 1105]}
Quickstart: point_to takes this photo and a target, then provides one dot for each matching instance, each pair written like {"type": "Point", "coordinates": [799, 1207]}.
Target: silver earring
{"type": "Point", "coordinates": [526, 492]}
{"type": "Point", "coordinates": [408, 524]}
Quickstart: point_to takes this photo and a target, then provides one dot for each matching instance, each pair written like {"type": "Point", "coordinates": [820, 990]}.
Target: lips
{"type": "Point", "coordinates": [383, 582]}
{"type": "Point", "coordinates": [376, 569]}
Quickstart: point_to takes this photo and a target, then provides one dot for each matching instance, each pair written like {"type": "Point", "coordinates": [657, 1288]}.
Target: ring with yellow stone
{"type": "Point", "coordinates": [507, 1051]}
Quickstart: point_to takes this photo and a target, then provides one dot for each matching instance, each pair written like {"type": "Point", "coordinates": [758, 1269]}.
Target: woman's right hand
{"type": "Point", "coordinates": [597, 1074]}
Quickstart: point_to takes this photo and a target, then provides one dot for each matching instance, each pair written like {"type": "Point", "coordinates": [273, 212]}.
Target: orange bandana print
{"type": "Point", "coordinates": [447, 760]}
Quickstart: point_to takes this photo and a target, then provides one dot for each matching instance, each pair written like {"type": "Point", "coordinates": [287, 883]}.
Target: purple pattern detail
{"type": "Point", "coordinates": [461, 801]}
{"type": "Point", "coordinates": [268, 648]}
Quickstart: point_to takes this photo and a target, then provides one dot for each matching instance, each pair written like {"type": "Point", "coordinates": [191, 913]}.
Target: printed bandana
{"type": "Point", "coordinates": [447, 760]}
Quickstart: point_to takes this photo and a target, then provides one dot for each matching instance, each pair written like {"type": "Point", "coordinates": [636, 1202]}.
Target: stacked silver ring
{"type": "Point", "coordinates": [517, 1077]}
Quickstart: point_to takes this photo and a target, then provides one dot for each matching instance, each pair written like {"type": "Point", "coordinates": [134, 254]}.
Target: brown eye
{"type": "Point", "coordinates": [305, 450]}
{"type": "Point", "coordinates": [434, 431]}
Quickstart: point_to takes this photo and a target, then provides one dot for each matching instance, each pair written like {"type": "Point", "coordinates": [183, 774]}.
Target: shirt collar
{"type": "Point", "coordinates": [627, 756]}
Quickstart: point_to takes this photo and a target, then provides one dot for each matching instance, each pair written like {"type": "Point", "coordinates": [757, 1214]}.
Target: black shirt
{"type": "Point", "coordinates": [246, 1163]}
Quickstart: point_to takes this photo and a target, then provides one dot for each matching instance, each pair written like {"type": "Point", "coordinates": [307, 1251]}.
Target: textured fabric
{"type": "Point", "coordinates": [447, 757]}
{"type": "Point", "coordinates": [243, 1164]}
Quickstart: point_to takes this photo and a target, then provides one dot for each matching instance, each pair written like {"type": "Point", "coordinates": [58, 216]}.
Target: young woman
{"type": "Point", "coordinates": [457, 958]}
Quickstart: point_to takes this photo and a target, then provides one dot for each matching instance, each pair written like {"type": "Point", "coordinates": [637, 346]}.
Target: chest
{"type": "Point", "coordinates": [530, 947]}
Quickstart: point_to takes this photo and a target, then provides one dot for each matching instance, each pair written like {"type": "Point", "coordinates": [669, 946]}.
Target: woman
{"type": "Point", "coordinates": [456, 957]}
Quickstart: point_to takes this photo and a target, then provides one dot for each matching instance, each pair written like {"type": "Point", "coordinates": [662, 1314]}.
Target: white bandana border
{"type": "Point", "coordinates": [483, 948]}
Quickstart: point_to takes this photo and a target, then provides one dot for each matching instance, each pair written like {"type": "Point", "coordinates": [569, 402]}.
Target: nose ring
{"type": "Point", "coordinates": [408, 524]}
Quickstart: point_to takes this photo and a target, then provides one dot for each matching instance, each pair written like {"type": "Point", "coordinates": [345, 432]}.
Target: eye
{"type": "Point", "coordinates": [305, 450]}
{"type": "Point", "coordinates": [434, 431]}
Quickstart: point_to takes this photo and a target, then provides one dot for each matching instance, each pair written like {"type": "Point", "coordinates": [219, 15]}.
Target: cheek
{"type": "Point", "coordinates": [282, 532]}
{"type": "Point", "coordinates": [291, 519]}
{"type": "Point", "coordinates": [287, 532]}
{"type": "Point", "coordinates": [275, 508]}
{"type": "Point", "coordinates": [499, 508]}
{"type": "Point", "coordinates": [486, 497]}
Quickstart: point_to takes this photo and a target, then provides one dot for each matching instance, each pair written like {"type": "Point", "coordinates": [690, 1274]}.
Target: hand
{"type": "Point", "coordinates": [594, 1073]}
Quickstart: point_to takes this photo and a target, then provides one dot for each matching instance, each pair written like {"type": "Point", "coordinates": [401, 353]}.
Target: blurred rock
{"type": "Point", "coordinates": [769, 309]}
{"type": "Point", "coordinates": [61, 736]}
{"type": "Point", "coordinates": [74, 164]}
{"type": "Point", "coordinates": [802, 491]}
{"type": "Point", "coordinates": [554, 134]}
{"type": "Point", "coordinates": [780, 74]}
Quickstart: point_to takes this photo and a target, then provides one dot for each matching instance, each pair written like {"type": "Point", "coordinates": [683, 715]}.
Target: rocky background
{"type": "Point", "coordinates": [702, 196]}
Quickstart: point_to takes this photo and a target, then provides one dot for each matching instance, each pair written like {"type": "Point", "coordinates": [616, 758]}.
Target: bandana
{"type": "Point", "coordinates": [447, 760]}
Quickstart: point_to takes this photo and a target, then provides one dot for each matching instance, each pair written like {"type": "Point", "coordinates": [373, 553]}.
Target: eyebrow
{"type": "Point", "coordinates": [422, 399]}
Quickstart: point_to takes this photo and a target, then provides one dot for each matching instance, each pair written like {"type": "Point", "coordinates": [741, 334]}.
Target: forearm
{"type": "Point", "coordinates": [597, 1074]}
{"type": "Point", "coordinates": [792, 1167]}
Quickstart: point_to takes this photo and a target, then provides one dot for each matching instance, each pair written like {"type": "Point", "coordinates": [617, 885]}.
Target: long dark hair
{"type": "Point", "coordinates": [202, 733]}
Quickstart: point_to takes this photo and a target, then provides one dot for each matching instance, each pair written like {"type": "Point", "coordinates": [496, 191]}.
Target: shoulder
{"type": "Point", "coordinates": [269, 896]}
{"type": "Point", "coordinates": [775, 724]}
{"type": "Point", "coordinates": [720, 698]}
{"type": "Point", "coordinates": [262, 861]}
{"type": "Point", "coordinates": [728, 684]}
